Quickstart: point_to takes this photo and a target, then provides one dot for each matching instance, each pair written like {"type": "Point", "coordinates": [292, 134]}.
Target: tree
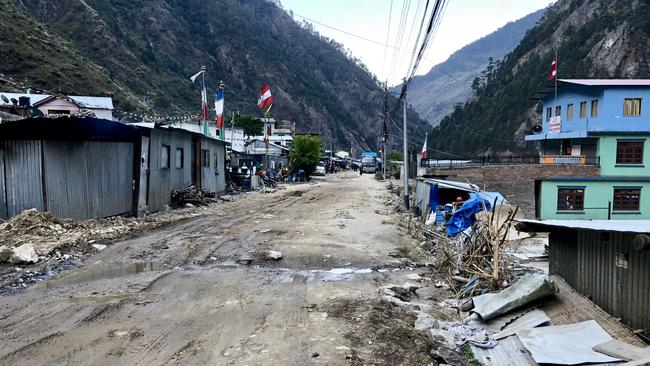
{"type": "Point", "coordinates": [252, 126]}
{"type": "Point", "coordinates": [305, 153]}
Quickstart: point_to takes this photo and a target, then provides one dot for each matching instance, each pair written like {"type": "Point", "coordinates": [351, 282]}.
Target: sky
{"type": "Point", "coordinates": [463, 22]}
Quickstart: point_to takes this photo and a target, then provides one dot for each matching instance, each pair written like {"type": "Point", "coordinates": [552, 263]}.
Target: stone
{"type": "Point", "coordinates": [66, 256]}
{"type": "Point", "coordinates": [245, 259]}
{"type": "Point", "coordinates": [5, 253]}
{"type": "Point", "coordinates": [424, 321]}
{"type": "Point", "coordinates": [315, 354]}
{"type": "Point", "coordinates": [442, 337]}
{"type": "Point", "coordinates": [189, 205]}
{"type": "Point", "coordinates": [413, 277]}
{"type": "Point", "coordinates": [426, 293]}
{"type": "Point", "coordinates": [449, 356]}
{"type": "Point", "coordinates": [273, 255]}
{"type": "Point", "coordinates": [23, 254]}
{"type": "Point", "coordinates": [99, 247]}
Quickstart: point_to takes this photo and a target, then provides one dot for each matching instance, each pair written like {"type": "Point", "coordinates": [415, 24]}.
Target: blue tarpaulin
{"type": "Point", "coordinates": [465, 216]}
{"type": "Point", "coordinates": [434, 197]}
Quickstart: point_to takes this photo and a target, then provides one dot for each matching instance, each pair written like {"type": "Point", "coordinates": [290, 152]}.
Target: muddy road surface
{"type": "Point", "coordinates": [202, 291]}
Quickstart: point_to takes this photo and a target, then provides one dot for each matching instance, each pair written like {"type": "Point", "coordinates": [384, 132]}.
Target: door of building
{"type": "Point", "coordinates": [144, 174]}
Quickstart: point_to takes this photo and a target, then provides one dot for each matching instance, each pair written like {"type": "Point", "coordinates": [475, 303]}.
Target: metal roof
{"type": "Point", "coordinates": [622, 226]}
{"type": "Point", "coordinates": [85, 101]}
{"type": "Point", "coordinates": [608, 82]}
{"type": "Point", "coordinates": [450, 184]}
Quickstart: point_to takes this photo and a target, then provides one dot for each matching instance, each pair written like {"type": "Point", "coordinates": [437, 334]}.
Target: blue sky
{"type": "Point", "coordinates": [464, 21]}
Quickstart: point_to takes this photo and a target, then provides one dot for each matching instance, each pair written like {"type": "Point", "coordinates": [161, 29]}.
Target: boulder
{"type": "Point", "coordinates": [23, 254]}
{"type": "Point", "coordinates": [442, 337]}
{"type": "Point", "coordinates": [5, 253]}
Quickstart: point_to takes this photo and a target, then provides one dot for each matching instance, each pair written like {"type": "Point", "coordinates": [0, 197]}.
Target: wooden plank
{"type": "Point", "coordinates": [622, 350]}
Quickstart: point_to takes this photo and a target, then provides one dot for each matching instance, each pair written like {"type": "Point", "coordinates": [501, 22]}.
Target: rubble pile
{"type": "Point", "coordinates": [44, 233]}
{"type": "Point", "coordinates": [191, 195]}
{"type": "Point", "coordinates": [475, 257]}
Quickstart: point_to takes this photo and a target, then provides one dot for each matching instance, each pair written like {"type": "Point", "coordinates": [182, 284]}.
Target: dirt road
{"type": "Point", "coordinates": [181, 296]}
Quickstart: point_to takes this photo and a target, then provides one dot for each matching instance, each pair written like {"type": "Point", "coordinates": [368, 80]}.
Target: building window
{"type": "Point", "coordinates": [179, 158]}
{"type": "Point", "coordinates": [548, 114]}
{"type": "Point", "coordinates": [570, 199]}
{"type": "Point", "coordinates": [594, 108]}
{"type": "Point", "coordinates": [558, 111]}
{"type": "Point", "coordinates": [205, 158]}
{"type": "Point", "coordinates": [164, 157]}
{"type": "Point", "coordinates": [569, 112]}
{"type": "Point", "coordinates": [632, 107]}
{"type": "Point", "coordinates": [583, 109]}
{"type": "Point", "coordinates": [626, 199]}
{"type": "Point", "coordinates": [57, 111]}
{"type": "Point", "coordinates": [629, 152]}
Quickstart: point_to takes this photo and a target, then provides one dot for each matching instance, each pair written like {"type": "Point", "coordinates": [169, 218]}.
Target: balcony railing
{"type": "Point", "coordinates": [511, 160]}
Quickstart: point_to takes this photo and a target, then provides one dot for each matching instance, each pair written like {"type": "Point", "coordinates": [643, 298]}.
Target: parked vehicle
{"type": "Point", "coordinates": [369, 164]}
{"type": "Point", "coordinates": [320, 169]}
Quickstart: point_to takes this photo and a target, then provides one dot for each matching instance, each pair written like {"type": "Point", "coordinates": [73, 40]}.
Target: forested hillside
{"type": "Point", "coordinates": [143, 52]}
{"type": "Point", "coordinates": [596, 39]}
{"type": "Point", "coordinates": [436, 93]}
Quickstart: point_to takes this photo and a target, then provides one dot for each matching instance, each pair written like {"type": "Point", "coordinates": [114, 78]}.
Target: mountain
{"type": "Point", "coordinates": [143, 52]}
{"type": "Point", "coordinates": [436, 93]}
{"type": "Point", "coordinates": [595, 39]}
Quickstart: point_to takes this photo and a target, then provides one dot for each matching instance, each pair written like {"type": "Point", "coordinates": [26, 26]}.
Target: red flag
{"type": "Point", "coordinates": [553, 73]}
{"type": "Point", "coordinates": [265, 99]}
{"type": "Point", "coordinates": [424, 147]}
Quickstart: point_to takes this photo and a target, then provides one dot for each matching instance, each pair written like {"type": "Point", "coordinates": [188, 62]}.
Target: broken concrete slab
{"type": "Point", "coordinates": [569, 344]}
{"type": "Point", "coordinates": [23, 254]}
{"type": "Point", "coordinates": [413, 277]}
{"type": "Point", "coordinates": [528, 288]}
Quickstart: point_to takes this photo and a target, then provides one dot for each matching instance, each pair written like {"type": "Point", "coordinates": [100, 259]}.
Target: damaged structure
{"type": "Point", "coordinates": [606, 260]}
{"type": "Point", "coordinates": [84, 168]}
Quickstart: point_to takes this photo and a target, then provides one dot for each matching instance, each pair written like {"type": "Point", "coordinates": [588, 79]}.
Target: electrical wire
{"type": "Point", "coordinates": [383, 64]}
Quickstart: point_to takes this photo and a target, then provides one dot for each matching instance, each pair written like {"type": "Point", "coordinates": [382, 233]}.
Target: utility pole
{"type": "Point", "coordinates": [384, 130]}
{"type": "Point", "coordinates": [406, 156]}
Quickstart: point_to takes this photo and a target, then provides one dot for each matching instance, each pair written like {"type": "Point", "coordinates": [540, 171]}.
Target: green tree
{"type": "Point", "coordinates": [252, 126]}
{"type": "Point", "coordinates": [305, 153]}
{"type": "Point", "coordinates": [392, 168]}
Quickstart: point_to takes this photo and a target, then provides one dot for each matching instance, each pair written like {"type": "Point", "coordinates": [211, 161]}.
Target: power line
{"type": "Point", "coordinates": [390, 16]}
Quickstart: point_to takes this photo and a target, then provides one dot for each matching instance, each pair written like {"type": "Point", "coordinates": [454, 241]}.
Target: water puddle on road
{"type": "Point", "coordinates": [104, 272]}
{"type": "Point", "coordinates": [287, 275]}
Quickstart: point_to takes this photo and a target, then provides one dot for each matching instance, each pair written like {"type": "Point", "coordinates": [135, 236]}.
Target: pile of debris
{"type": "Point", "coordinates": [192, 196]}
{"type": "Point", "coordinates": [33, 234]}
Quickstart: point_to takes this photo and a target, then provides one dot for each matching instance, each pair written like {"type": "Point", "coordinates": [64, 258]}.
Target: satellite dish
{"type": "Point", "coordinates": [537, 129]}
{"type": "Point", "coordinates": [4, 99]}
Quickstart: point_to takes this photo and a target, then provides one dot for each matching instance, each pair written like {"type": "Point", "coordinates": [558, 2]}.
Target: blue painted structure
{"type": "Point", "coordinates": [597, 133]}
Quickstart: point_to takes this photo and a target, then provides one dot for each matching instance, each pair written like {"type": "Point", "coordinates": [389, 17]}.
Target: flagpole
{"type": "Point", "coordinates": [556, 74]}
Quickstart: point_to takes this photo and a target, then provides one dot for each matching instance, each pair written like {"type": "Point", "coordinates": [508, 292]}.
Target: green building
{"type": "Point", "coordinates": [603, 122]}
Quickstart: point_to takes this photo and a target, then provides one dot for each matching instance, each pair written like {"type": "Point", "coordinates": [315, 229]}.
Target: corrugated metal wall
{"type": "Point", "coordinates": [22, 170]}
{"type": "Point", "coordinates": [88, 179]}
{"type": "Point", "coordinates": [213, 178]}
{"type": "Point", "coordinates": [606, 267]}
{"type": "Point", "coordinates": [3, 201]}
{"type": "Point", "coordinates": [163, 180]}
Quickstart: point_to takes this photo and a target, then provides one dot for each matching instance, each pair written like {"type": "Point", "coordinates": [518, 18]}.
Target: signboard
{"type": "Point", "coordinates": [555, 125]}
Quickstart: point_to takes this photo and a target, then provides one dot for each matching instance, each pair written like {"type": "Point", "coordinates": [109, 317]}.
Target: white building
{"type": "Point", "coordinates": [101, 107]}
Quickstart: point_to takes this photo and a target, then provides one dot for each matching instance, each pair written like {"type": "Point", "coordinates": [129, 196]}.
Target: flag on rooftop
{"type": "Point", "coordinates": [193, 77]}
{"type": "Point", "coordinates": [553, 73]}
{"type": "Point", "coordinates": [218, 107]}
{"type": "Point", "coordinates": [424, 147]}
{"type": "Point", "coordinates": [265, 99]}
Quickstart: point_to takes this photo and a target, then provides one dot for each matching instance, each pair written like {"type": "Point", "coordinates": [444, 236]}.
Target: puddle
{"type": "Point", "coordinates": [104, 272]}
{"type": "Point", "coordinates": [336, 274]}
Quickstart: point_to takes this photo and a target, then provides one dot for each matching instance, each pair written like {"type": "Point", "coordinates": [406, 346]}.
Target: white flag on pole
{"type": "Point", "coordinates": [193, 77]}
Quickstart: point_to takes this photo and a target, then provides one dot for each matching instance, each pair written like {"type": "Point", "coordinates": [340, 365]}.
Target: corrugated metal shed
{"type": "Point", "coordinates": [163, 179]}
{"type": "Point", "coordinates": [599, 260]}
{"type": "Point", "coordinates": [22, 176]}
